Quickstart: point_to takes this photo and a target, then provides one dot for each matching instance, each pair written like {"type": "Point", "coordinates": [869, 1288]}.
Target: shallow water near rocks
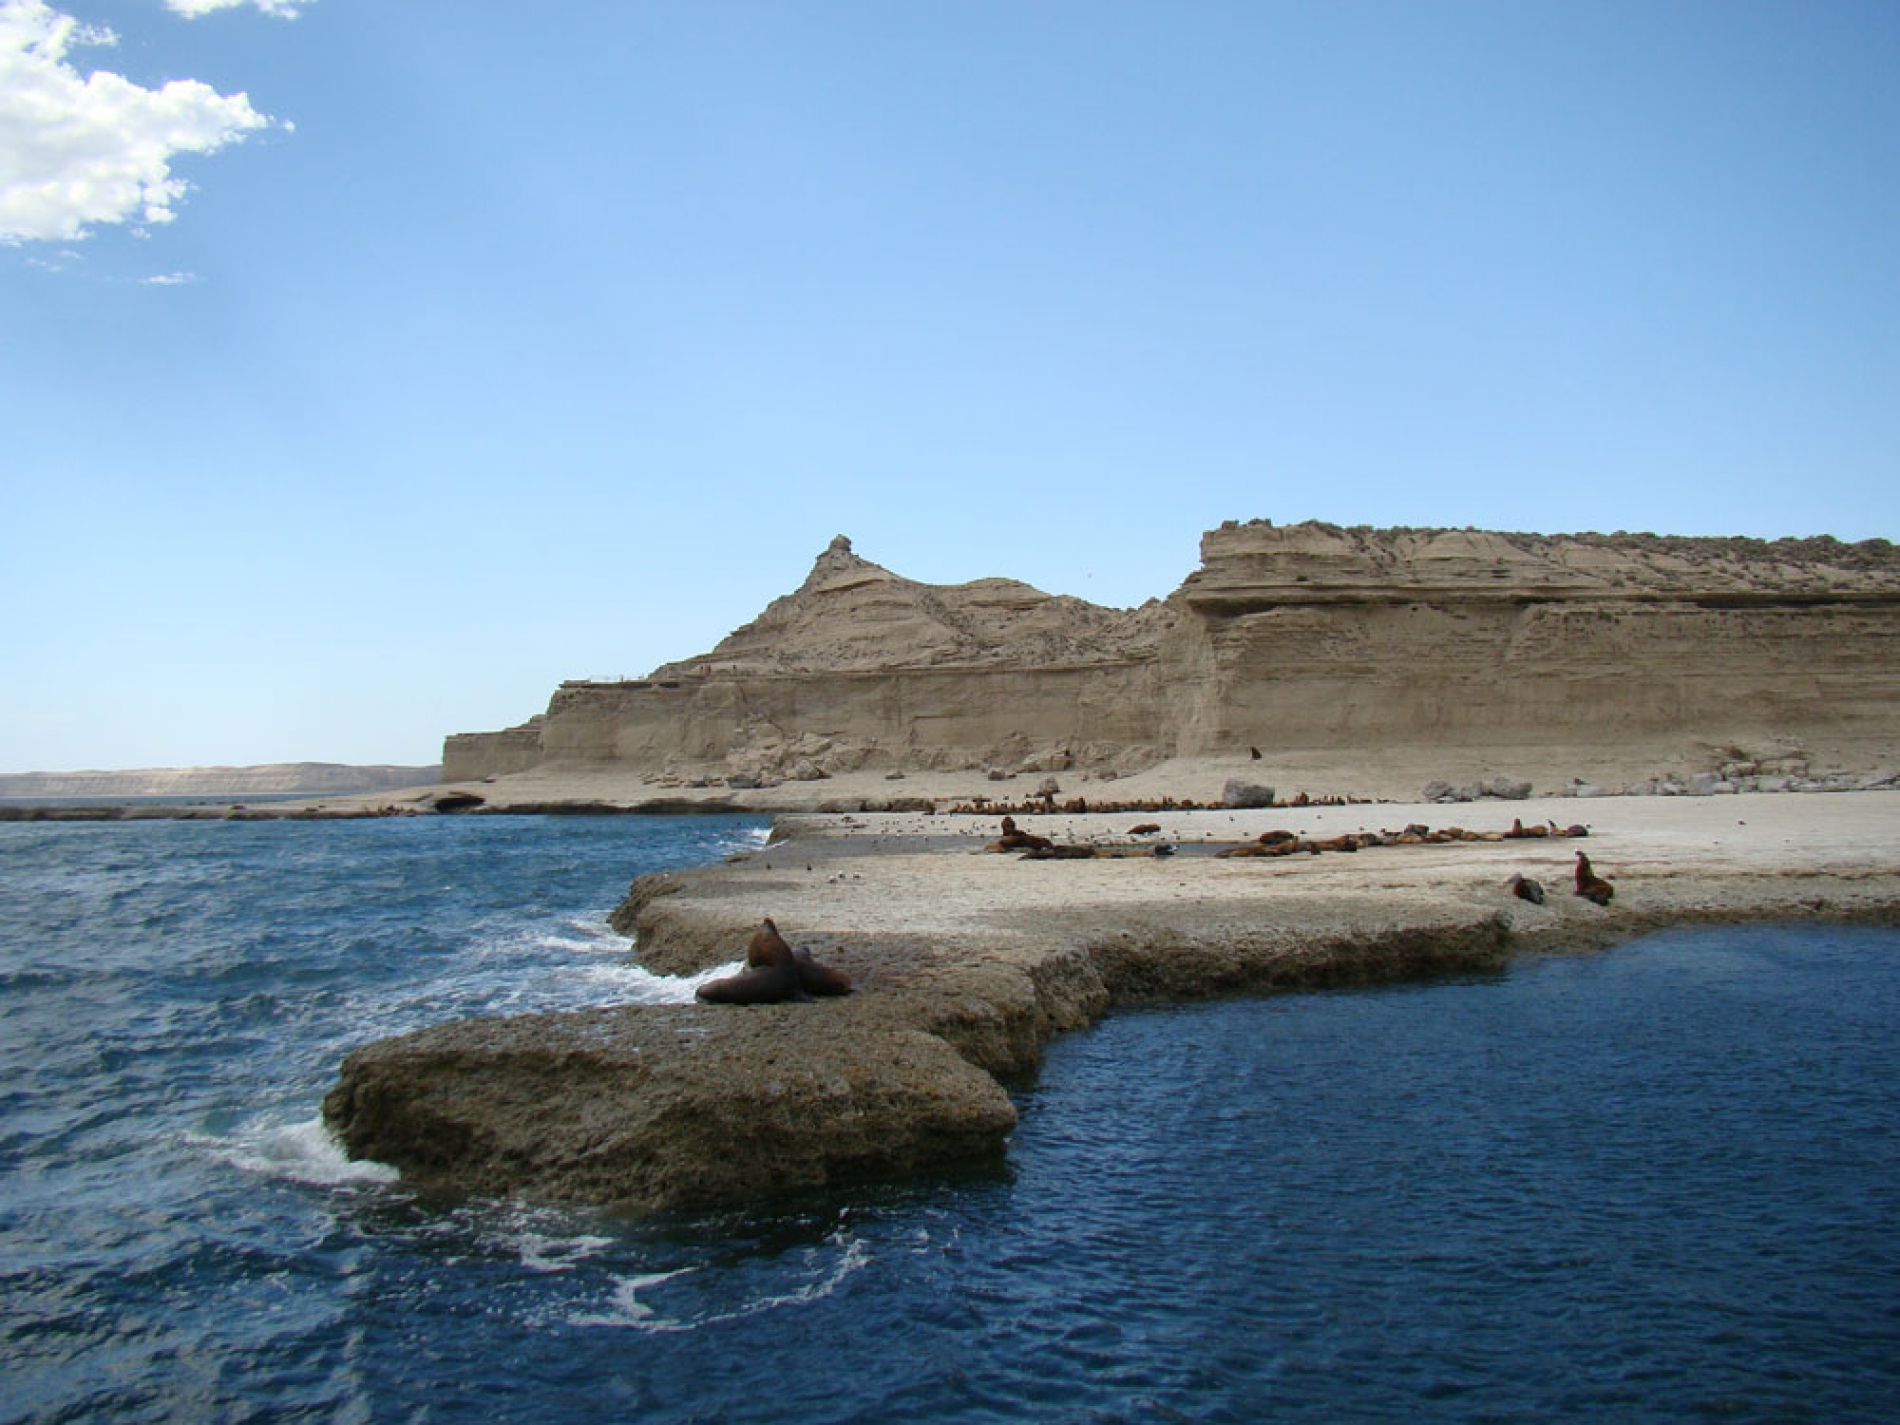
{"type": "Point", "coordinates": [1661, 1180]}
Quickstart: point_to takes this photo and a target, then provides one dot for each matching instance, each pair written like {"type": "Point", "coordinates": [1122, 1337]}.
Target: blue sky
{"type": "Point", "coordinates": [370, 366]}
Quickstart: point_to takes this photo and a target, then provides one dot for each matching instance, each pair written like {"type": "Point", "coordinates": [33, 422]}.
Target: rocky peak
{"type": "Point", "coordinates": [853, 615]}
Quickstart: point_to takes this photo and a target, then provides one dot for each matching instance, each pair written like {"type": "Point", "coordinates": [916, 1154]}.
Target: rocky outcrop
{"type": "Point", "coordinates": [1303, 637]}
{"type": "Point", "coordinates": [683, 1107]}
{"type": "Point", "coordinates": [967, 964]}
{"type": "Point", "coordinates": [665, 1106]}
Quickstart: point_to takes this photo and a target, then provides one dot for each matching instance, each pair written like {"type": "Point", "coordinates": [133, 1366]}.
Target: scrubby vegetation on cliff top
{"type": "Point", "coordinates": [1870, 554]}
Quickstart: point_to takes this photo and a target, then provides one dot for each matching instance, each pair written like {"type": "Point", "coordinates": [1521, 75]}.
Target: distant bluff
{"type": "Point", "coordinates": [1307, 637]}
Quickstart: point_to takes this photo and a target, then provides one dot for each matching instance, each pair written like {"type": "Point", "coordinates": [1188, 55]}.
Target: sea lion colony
{"type": "Point", "coordinates": [776, 972]}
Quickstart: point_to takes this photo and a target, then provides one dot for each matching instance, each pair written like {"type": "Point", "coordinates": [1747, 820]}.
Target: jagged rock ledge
{"type": "Point", "coordinates": [968, 963]}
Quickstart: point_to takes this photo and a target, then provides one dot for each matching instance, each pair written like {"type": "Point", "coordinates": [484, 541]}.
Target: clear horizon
{"type": "Point", "coordinates": [373, 369]}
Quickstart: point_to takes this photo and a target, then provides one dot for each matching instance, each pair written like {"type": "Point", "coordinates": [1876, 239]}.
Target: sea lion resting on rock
{"type": "Point", "coordinates": [1590, 885]}
{"type": "Point", "coordinates": [817, 979]}
{"type": "Point", "coordinates": [1015, 840]}
{"type": "Point", "coordinates": [774, 973]}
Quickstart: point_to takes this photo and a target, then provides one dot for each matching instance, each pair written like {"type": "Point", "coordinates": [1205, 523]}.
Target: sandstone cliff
{"type": "Point", "coordinates": [1294, 639]}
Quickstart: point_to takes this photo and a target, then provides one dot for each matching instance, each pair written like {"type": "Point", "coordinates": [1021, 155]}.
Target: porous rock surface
{"type": "Point", "coordinates": [660, 1106]}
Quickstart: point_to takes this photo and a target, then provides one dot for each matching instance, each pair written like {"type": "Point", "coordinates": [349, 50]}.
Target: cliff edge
{"type": "Point", "coordinates": [1304, 641]}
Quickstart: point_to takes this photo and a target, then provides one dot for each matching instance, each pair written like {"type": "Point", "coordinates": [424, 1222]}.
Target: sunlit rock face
{"type": "Point", "coordinates": [1287, 637]}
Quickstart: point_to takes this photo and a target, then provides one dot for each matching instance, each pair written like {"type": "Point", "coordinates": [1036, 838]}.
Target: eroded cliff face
{"type": "Point", "coordinates": [1312, 636]}
{"type": "Point", "coordinates": [1297, 637]}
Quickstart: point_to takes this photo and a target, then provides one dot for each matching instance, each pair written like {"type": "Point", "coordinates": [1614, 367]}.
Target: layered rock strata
{"type": "Point", "coordinates": [1287, 639]}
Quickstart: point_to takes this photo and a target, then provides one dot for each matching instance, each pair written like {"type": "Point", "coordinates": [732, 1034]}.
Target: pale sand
{"type": "Point", "coordinates": [925, 879]}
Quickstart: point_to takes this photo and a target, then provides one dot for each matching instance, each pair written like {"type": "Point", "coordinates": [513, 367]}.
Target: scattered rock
{"type": "Point", "coordinates": [1239, 794]}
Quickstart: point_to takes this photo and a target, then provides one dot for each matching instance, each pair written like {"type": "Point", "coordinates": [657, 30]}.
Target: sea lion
{"type": "Point", "coordinates": [1525, 889]}
{"type": "Point", "coordinates": [1146, 828]}
{"type": "Point", "coordinates": [1015, 840]}
{"type": "Point", "coordinates": [817, 979]}
{"type": "Point", "coordinates": [774, 973]}
{"type": "Point", "coordinates": [771, 984]}
{"type": "Point", "coordinates": [767, 946]}
{"type": "Point", "coordinates": [1590, 885]}
{"type": "Point", "coordinates": [1263, 848]}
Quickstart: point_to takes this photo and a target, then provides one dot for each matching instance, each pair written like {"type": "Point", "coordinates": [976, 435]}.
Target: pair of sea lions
{"type": "Point", "coordinates": [1286, 843]}
{"type": "Point", "coordinates": [774, 973]}
{"type": "Point", "coordinates": [1590, 885]}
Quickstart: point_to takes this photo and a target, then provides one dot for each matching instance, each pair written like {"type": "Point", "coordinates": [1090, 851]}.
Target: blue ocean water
{"type": "Point", "coordinates": [1660, 1181]}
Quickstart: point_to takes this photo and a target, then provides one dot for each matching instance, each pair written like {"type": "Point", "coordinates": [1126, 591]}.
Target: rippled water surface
{"type": "Point", "coordinates": [1659, 1181]}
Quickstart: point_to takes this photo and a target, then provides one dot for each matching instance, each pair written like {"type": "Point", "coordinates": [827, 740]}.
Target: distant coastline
{"type": "Point", "coordinates": [277, 779]}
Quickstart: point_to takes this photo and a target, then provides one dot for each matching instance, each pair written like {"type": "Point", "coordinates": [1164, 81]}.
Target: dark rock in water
{"type": "Point", "coordinates": [664, 1106]}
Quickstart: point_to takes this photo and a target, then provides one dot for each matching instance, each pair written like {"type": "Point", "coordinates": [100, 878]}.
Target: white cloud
{"type": "Point", "coordinates": [82, 149]}
{"type": "Point", "coordinates": [192, 9]}
{"type": "Point", "coordinates": [169, 279]}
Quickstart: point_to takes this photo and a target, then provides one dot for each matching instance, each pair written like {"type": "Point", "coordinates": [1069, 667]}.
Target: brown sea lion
{"type": "Point", "coordinates": [1590, 885]}
{"type": "Point", "coordinates": [1525, 889]}
{"type": "Point", "coordinates": [774, 973]}
{"type": "Point", "coordinates": [1013, 839]}
{"type": "Point", "coordinates": [817, 979]}
{"type": "Point", "coordinates": [767, 946]}
{"type": "Point", "coordinates": [771, 984]}
{"type": "Point", "coordinates": [1262, 848]}
{"type": "Point", "coordinates": [1146, 828]}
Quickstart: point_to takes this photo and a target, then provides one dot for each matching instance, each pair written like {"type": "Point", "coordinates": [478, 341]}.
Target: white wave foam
{"type": "Point", "coordinates": [629, 984]}
{"type": "Point", "coordinates": [299, 1152]}
{"type": "Point", "coordinates": [627, 1311]}
{"type": "Point", "coordinates": [542, 1253]}
{"type": "Point", "coordinates": [581, 938]}
{"type": "Point", "coordinates": [626, 1308]}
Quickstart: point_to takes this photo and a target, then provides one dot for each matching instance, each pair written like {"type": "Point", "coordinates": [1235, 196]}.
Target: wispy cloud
{"type": "Point", "coordinates": [169, 279]}
{"type": "Point", "coordinates": [192, 9]}
{"type": "Point", "coordinates": [82, 149]}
